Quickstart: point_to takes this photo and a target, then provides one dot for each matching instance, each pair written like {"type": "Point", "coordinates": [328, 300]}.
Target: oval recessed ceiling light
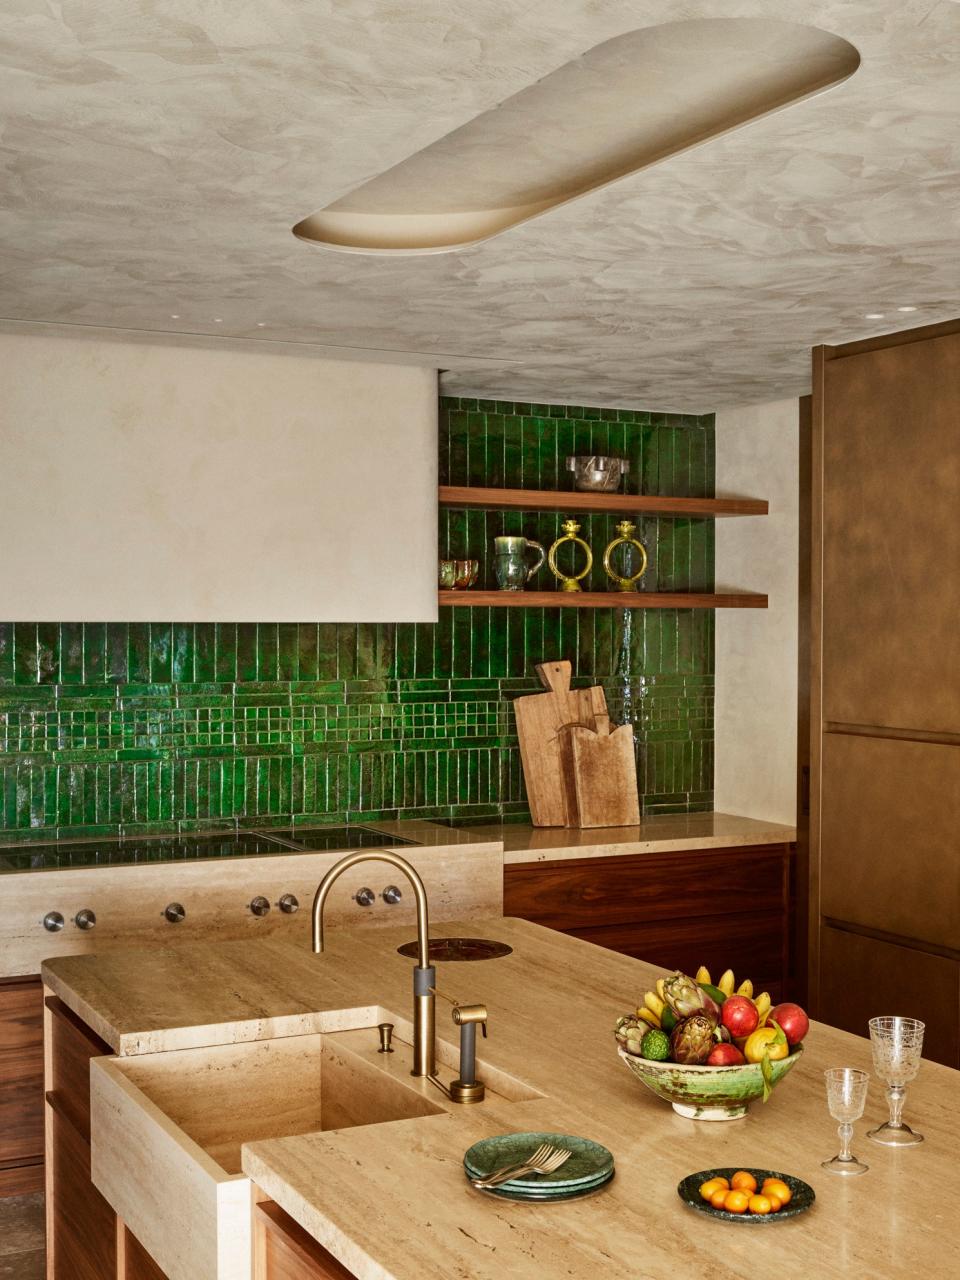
{"type": "Point", "coordinates": [261, 324]}
{"type": "Point", "coordinates": [618, 108]}
{"type": "Point", "coordinates": [218, 319]}
{"type": "Point", "coordinates": [874, 315]}
{"type": "Point", "coordinates": [906, 308]}
{"type": "Point", "coordinates": [175, 316]}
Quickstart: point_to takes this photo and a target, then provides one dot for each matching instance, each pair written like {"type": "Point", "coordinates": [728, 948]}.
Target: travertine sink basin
{"type": "Point", "coordinates": [167, 1128]}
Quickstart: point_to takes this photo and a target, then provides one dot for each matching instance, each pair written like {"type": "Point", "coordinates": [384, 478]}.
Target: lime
{"type": "Point", "coordinates": [656, 1045]}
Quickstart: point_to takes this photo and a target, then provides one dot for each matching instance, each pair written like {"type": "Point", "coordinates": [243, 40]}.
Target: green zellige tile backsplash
{"type": "Point", "coordinates": [129, 727]}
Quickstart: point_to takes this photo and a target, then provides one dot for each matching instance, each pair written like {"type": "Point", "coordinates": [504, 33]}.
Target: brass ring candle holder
{"type": "Point", "coordinates": [570, 530]}
{"type": "Point", "coordinates": [626, 530]}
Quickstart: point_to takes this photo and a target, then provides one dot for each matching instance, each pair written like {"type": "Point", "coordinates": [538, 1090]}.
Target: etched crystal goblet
{"type": "Point", "coordinates": [846, 1098]}
{"type": "Point", "coordinates": [897, 1044]}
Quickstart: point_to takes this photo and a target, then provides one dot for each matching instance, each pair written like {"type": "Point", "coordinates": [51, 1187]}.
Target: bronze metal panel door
{"type": "Point", "coordinates": [890, 822]}
{"type": "Point", "coordinates": [865, 978]}
{"type": "Point", "coordinates": [891, 547]}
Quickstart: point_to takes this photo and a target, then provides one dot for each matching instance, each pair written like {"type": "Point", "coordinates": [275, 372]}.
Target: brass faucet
{"type": "Point", "coordinates": [424, 973]}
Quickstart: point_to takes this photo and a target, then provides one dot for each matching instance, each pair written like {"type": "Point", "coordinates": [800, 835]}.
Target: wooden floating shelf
{"type": "Point", "coordinates": [604, 599]}
{"type": "Point", "coordinates": [626, 503]}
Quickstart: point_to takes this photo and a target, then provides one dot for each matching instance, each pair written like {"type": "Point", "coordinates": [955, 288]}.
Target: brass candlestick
{"type": "Point", "coordinates": [626, 530]}
{"type": "Point", "coordinates": [570, 530]}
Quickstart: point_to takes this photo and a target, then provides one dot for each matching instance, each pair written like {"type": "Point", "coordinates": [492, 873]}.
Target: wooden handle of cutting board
{"type": "Point", "coordinates": [555, 676]}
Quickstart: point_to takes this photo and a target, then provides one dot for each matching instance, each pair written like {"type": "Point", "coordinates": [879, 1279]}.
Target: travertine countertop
{"type": "Point", "coordinates": [663, 833]}
{"type": "Point", "coordinates": [391, 1200]}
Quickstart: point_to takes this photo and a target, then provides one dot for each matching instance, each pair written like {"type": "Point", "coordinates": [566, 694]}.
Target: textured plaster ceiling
{"type": "Point", "coordinates": [156, 154]}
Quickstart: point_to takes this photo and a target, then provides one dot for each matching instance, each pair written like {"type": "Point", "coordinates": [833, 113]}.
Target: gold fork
{"type": "Point", "coordinates": [546, 1159]}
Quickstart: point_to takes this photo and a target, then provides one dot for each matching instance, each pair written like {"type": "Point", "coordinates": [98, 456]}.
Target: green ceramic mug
{"type": "Point", "coordinates": [511, 564]}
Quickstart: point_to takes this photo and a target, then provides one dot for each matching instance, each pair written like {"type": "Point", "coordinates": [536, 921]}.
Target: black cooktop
{"type": "Point", "coordinates": [190, 848]}
{"type": "Point", "coordinates": [323, 838]}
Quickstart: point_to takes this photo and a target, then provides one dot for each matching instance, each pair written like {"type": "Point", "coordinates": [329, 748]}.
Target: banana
{"type": "Point", "coordinates": [727, 983]}
{"type": "Point", "coordinates": [649, 1017]}
{"type": "Point", "coordinates": [660, 982]}
{"type": "Point", "coordinates": [703, 974]}
{"type": "Point", "coordinates": [654, 1004]}
{"type": "Point", "coordinates": [763, 1003]}
{"type": "Point", "coordinates": [745, 988]}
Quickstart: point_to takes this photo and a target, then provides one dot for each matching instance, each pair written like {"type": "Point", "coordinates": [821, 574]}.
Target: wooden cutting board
{"type": "Point", "coordinates": [540, 718]}
{"type": "Point", "coordinates": [601, 776]}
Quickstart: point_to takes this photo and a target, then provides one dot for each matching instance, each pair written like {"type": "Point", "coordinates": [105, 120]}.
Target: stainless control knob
{"type": "Point", "coordinates": [53, 922]}
{"type": "Point", "coordinates": [260, 905]}
{"type": "Point", "coordinates": [175, 912]}
{"type": "Point", "coordinates": [289, 904]}
{"type": "Point", "coordinates": [391, 894]}
{"type": "Point", "coordinates": [365, 897]}
{"type": "Point", "coordinates": [85, 919]}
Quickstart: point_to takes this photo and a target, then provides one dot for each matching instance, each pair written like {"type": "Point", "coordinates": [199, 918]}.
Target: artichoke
{"type": "Point", "coordinates": [686, 997]}
{"type": "Point", "coordinates": [692, 1039]}
{"type": "Point", "coordinates": [630, 1031]}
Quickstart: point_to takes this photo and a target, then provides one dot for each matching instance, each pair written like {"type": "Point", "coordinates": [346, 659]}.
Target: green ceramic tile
{"type": "Point", "coordinates": [71, 653]}
{"type": "Point", "coordinates": [136, 727]}
{"type": "Point", "coordinates": [246, 665]}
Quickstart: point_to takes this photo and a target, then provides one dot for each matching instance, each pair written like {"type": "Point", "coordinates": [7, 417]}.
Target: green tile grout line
{"type": "Point", "coordinates": [131, 728]}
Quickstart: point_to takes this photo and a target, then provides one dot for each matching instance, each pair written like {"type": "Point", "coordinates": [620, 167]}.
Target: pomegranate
{"type": "Point", "coordinates": [792, 1021]}
{"type": "Point", "coordinates": [725, 1055]}
{"type": "Point", "coordinates": [739, 1015]}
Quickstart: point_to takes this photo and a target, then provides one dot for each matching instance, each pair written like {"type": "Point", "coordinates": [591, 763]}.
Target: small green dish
{"type": "Point", "coordinates": [554, 1197]}
{"type": "Point", "coordinates": [688, 1189]}
{"type": "Point", "coordinates": [587, 1166]}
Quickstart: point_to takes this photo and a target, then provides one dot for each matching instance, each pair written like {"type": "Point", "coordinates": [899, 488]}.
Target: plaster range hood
{"type": "Point", "coordinates": [620, 107]}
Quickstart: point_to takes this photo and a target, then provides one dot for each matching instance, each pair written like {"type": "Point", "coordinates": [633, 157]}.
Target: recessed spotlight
{"type": "Point", "coordinates": [906, 308]}
{"type": "Point", "coordinates": [175, 316]}
{"type": "Point", "coordinates": [874, 315]}
{"type": "Point", "coordinates": [218, 319]}
{"type": "Point", "coordinates": [261, 324]}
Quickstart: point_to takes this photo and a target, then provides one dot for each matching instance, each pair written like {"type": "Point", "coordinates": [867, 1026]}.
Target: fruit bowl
{"type": "Point", "coordinates": [707, 1093]}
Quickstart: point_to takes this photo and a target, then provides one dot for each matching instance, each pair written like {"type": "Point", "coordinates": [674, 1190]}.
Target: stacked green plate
{"type": "Point", "coordinates": [589, 1167]}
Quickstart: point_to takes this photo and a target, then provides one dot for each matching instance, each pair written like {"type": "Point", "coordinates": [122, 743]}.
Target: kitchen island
{"type": "Point", "coordinates": [390, 1200]}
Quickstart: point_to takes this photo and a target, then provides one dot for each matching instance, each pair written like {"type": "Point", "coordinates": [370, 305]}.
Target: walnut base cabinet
{"type": "Point", "coordinates": [284, 1251]}
{"type": "Point", "coordinates": [85, 1238]}
{"type": "Point", "coordinates": [21, 1086]}
{"type": "Point", "coordinates": [725, 908]}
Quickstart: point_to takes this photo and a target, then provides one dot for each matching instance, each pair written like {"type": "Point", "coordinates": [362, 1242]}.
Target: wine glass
{"type": "Point", "coordinates": [846, 1098]}
{"type": "Point", "coordinates": [897, 1044]}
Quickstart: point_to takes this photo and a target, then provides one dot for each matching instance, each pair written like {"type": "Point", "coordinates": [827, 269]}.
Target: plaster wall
{"type": "Point", "coordinates": [756, 650]}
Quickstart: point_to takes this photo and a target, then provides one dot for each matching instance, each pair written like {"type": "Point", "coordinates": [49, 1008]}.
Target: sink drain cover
{"type": "Point", "coordinates": [459, 949]}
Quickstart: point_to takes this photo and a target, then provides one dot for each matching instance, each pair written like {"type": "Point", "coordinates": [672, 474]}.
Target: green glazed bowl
{"type": "Point", "coordinates": [707, 1093]}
